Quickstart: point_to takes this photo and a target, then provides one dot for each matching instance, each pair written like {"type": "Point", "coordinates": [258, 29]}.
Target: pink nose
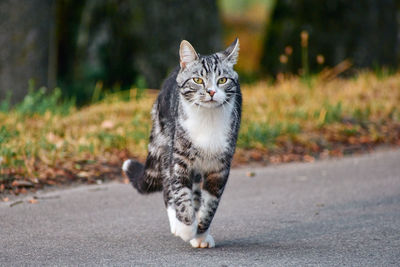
{"type": "Point", "coordinates": [211, 92]}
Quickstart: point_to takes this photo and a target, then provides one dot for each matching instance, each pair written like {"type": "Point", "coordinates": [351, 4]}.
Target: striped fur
{"type": "Point", "coordinates": [196, 120]}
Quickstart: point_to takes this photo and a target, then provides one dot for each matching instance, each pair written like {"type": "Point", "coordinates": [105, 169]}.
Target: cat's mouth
{"type": "Point", "coordinates": [212, 103]}
{"type": "Point", "coordinates": [211, 100]}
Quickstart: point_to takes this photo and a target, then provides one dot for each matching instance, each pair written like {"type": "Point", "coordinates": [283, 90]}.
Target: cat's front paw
{"type": "Point", "coordinates": [203, 242]}
{"type": "Point", "coordinates": [178, 228]}
{"type": "Point", "coordinates": [186, 232]}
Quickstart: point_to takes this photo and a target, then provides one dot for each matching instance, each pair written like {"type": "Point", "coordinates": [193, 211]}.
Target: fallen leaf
{"type": "Point", "coordinates": [251, 174]}
{"type": "Point", "coordinates": [23, 191]}
{"type": "Point", "coordinates": [365, 139]}
{"type": "Point", "coordinates": [16, 203]}
{"type": "Point", "coordinates": [47, 197]}
{"type": "Point", "coordinates": [256, 155]}
{"type": "Point", "coordinates": [275, 159]}
{"type": "Point", "coordinates": [352, 140]}
{"type": "Point", "coordinates": [32, 201]}
{"type": "Point", "coordinates": [308, 158]}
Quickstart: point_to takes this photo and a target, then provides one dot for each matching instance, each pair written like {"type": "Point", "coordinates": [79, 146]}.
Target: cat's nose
{"type": "Point", "coordinates": [211, 92]}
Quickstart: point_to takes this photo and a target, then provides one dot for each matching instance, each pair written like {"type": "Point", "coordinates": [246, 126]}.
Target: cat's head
{"type": "Point", "coordinates": [208, 81]}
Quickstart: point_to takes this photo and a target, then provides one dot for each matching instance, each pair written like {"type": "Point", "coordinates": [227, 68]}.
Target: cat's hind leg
{"type": "Point", "coordinates": [148, 178]}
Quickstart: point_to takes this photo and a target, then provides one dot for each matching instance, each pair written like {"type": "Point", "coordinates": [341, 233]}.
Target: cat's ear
{"type": "Point", "coordinates": [232, 53]}
{"type": "Point", "coordinates": [187, 54]}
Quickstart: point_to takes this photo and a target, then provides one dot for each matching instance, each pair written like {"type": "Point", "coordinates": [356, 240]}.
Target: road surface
{"type": "Point", "coordinates": [334, 212]}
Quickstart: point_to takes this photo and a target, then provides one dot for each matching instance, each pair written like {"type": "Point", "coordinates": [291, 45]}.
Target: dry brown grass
{"type": "Point", "coordinates": [295, 119]}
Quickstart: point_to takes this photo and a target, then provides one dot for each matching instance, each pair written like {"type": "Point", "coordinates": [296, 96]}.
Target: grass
{"type": "Point", "coordinates": [328, 115]}
{"type": "Point", "coordinates": [45, 141]}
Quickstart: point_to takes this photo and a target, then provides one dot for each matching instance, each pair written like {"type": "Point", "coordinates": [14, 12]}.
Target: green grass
{"type": "Point", "coordinates": [264, 135]}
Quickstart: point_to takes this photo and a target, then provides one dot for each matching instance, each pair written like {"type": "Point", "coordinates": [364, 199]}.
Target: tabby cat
{"type": "Point", "coordinates": [196, 119]}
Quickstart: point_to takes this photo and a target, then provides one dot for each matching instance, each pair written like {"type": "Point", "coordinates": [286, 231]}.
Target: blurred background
{"type": "Point", "coordinates": [89, 47]}
{"type": "Point", "coordinates": [78, 78]}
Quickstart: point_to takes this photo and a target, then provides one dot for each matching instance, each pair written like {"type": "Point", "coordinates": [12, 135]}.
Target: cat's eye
{"type": "Point", "coordinates": [222, 80]}
{"type": "Point", "coordinates": [198, 80]}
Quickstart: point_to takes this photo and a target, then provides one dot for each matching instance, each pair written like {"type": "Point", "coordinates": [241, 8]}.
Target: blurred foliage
{"type": "Point", "coordinates": [40, 102]}
{"type": "Point", "coordinates": [310, 34]}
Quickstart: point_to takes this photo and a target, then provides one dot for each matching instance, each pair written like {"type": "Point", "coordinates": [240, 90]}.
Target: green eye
{"type": "Point", "coordinates": [198, 80]}
{"type": "Point", "coordinates": [222, 80]}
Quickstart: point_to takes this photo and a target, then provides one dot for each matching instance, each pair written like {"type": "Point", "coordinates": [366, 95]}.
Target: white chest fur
{"type": "Point", "coordinates": [208, 128]}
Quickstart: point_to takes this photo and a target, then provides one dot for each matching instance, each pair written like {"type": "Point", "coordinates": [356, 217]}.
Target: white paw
{"type": "Point", "coordinates": [201, 242]}
{"type": "Point", "coordinates": [186, 232]}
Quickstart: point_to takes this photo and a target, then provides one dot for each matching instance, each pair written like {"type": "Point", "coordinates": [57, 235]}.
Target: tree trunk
{"type": "Point", "coordinates": [119, 42]}
{"type": "Point", "coordinates": [26, 52]}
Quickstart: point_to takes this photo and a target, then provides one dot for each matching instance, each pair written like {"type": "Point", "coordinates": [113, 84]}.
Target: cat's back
{"type": "Point", "coordinates": [167, 100]}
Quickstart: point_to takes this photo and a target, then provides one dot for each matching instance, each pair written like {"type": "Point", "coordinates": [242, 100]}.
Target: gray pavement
{"type": "Point", "coordinates": [328, 213]}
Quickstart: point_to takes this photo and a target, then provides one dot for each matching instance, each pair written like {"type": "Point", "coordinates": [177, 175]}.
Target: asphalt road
{"type": "Point", "coordinates": [335, 212]}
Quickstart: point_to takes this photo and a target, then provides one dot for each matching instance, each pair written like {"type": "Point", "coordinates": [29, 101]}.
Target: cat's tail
{"type": "Point", "coordinates": [137, 175]}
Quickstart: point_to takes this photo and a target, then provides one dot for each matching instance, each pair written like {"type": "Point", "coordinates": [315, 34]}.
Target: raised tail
{"type": "Point", "coordinates": [142, 182]}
